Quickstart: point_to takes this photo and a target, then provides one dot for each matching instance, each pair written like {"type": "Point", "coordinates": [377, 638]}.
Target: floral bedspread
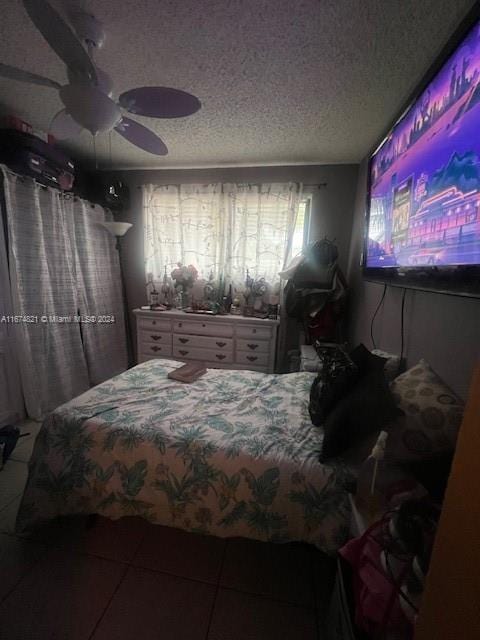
{"type": "Point", "coordinates": [233, 454]}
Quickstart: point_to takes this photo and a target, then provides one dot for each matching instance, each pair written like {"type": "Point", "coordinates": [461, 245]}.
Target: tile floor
{"type": "Point", "coordinates": [132, 580]}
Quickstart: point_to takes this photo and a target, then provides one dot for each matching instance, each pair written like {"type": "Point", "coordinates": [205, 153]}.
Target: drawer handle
{"type": "Point", "coordinates": [221, 344]}
{"type": "Point", "coordinates": [220, 356]}
{"type": "Point", "coordinates": [254, 331]}
{"type": "Point", "coordinates": [204, 325]}
{"type": "Point", "coordinates": [180, 324]}
{"type": "Point", "coordinates": [183, 352]}
{"type": "Point", "coordinates": [252, 346]}
{"type": "Point", "coordinates": [252, 358]}
{"type": "Point", "coordinates": [155, 348]}
{"type": "Point", "coordinates": [156, 337]}
{"type": "Point", "coordinates": [154, 322]}
{"type": "Point", "coordinates": [183, 340]}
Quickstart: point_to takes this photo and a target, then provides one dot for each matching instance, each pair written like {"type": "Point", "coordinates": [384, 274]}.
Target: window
{"type": "Point", "coordinates": [302, 227]}
{"type": "Point", "coordinates": [223, 229]}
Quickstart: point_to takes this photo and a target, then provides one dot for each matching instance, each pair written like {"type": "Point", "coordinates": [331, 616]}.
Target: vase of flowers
{"type": "Point", "coordinates": [184, 277]}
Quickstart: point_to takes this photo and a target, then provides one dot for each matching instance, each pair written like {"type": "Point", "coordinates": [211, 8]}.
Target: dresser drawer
{"type": "Point", "coordinates": [253, 346]}
{"type": "Point", "coordinates": [205, 355]}
{"type": "Point", "coordinates": [201, 328]}
{"type": "Point", "coordinates": [156, 324]}
{"type": "Point", "coordinates": [202, 342]}
{"type": "Point", "coordinates": [155, 350]}
{"type": "Point", "coordinates": [154, 337]}
{"type": "Point", "coordinates": [254, 359]}
{"type": "Point", "coordinates": [258, 333]}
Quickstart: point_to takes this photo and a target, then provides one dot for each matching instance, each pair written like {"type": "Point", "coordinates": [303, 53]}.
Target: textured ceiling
{"type": "Point", "coordinates": [281, 81]}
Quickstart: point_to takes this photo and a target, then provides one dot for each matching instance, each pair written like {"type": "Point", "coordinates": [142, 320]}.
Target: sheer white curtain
{"type": "Point", "coordinates": [183, 223]}
{"type": "Point", "coordinates": [260, 220]}
{"type": "Point", "coordinates": [224, 229]}
{"type": "Point", "coordinates": [50, 354]}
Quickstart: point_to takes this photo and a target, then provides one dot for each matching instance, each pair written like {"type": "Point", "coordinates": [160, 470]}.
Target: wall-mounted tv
{"type": "Point", "coordinates": [423, 209]}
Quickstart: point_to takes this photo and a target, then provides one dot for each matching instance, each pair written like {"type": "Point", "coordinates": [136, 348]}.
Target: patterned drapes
{"type": "Point", "coordinates": [223, 229]}
{"type": "Point", "coordinates": [62, 266]}
{"type": "Point", "coordinates": [99, 292]}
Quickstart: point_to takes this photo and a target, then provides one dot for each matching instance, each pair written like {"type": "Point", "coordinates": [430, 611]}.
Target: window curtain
{"type": "Point", "coordinates": [11, 401]}
{"type": "Point", "coordinates": [99, 291]}
{"type": "Point", "coordinates": [220, 229]}
{"type": "Point", "coordinates": [56, 273]}
{"type": "Point", "coordinates": [183, 223]}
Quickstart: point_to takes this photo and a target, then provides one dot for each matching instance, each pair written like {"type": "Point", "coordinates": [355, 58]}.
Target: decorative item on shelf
{"type": "Point", "coordinates": [166, 289]}
{"type": "Point", "coordinates": [254, 293]}
{"type": "Point", "coordinates": [210, 290]}
{"type": "Point", "coordinates": [247, 293]}
{"type": "Point", "coordinates": [228, 299]}
{"type": "Point", "coordinates": [154, 298]}
{"type": "Point", "coordinates": [259, 289]}
{"type": "Point", "coordinates": [273, 306]}
{"type": "Point", "coordinates": [236, 309]}
{"type": "Point", "coordinates": [220, 299]}
{"type": "Point", "coordinates": [152, 293]}
{"type": "Point", "coordinates": [184, 278]}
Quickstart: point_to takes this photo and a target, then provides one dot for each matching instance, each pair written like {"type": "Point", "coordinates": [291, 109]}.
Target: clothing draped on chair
{"type": "Point", "coordinates": [62, 265]}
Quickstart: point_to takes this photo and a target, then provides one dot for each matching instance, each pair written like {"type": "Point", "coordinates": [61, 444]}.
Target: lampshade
{"type": "Point", "coordinates": [117, 229]}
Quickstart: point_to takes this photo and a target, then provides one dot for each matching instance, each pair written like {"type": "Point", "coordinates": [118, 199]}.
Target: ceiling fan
{"type": "Point", "coordinates": [88, 95]}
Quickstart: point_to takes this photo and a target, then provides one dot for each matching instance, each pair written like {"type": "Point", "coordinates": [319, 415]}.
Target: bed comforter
{"type": "Point", "coordinates": [233, 454]}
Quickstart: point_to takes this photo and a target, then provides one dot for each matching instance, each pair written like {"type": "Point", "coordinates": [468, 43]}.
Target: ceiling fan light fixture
{"type": "Point", "coordinates": [90, 107]}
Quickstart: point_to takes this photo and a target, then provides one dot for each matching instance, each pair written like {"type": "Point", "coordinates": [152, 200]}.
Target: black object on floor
{"type": "Point", "coordinates": [9, 436]}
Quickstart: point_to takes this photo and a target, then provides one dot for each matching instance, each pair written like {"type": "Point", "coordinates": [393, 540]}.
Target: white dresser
{"type": "Point", "coordinates": [228, 342]}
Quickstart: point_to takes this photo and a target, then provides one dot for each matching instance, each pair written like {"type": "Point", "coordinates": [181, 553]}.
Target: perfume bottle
{"type": "Point", "coordinates": [165, 289]}
{"type": "Point", "coordinates": [154, 297]}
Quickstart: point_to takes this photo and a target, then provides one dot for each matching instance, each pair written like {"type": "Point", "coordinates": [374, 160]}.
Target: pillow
{"type": "Point", "coordinates": [368, 407]}
{"type": "Point", "coordinates": [336, 377]}
{"type": "Point", "coordinates": [433, 414]}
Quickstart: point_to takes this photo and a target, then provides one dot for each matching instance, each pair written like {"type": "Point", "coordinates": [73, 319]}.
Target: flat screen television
{"type": "Point", "coordinates": [423, 201]}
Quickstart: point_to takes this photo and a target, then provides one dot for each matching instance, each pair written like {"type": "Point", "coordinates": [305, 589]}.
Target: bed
{"type": "Point", "coordinates": [233, 454]}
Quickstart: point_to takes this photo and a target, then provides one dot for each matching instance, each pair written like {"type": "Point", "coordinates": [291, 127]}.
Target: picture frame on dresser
{"type": "Point", "coordinates": [220, 341]}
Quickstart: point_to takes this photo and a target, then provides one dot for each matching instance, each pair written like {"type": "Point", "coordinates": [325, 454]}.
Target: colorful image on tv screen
{"type": "Point", "coordinates": [425, 177]}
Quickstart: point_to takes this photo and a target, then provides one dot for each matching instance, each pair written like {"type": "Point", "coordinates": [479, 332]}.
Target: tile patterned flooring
{"type": "Point", "coordinates": [132, 580]}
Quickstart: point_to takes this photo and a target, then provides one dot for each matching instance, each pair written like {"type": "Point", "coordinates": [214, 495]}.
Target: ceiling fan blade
{"type": "Point", "coordinates": [60, 37]}
{"type": "Point", "coordinates": [25, 76]}
{"type": "Point", "coordinates": [141, 137]}
{"type": "Point", "coordinates": [159, 102]}
{"type": "Point", "coordinates": [63, 126]}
